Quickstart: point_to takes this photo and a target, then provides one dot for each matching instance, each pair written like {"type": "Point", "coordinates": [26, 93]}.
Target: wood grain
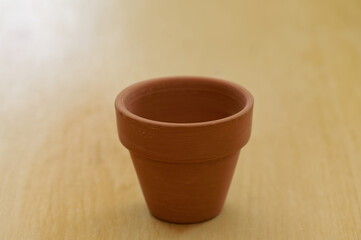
{"type": "Point", "coordinates": [63, 173]}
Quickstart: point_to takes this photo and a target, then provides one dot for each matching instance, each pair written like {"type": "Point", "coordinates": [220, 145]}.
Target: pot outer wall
{"type": "Point", "coordinates": [185, 192]}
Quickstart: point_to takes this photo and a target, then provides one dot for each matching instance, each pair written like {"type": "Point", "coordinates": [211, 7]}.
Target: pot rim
{"type": "Point", "coordinates": [120, 105]}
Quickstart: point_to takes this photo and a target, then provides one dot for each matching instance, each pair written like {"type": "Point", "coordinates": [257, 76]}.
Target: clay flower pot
{"type": "Point", "coordinates": [184, 135]}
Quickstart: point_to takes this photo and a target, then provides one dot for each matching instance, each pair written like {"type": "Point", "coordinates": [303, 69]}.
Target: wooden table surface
{"type": "Point", "coordinates": [63, 172]}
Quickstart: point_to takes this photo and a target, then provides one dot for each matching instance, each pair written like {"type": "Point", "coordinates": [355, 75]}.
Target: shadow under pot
{"type": "Point", "coordinates": [184, 135]}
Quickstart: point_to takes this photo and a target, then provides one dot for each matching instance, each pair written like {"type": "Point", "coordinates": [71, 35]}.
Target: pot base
{"type": "Point", "coordinates": [185, 223]}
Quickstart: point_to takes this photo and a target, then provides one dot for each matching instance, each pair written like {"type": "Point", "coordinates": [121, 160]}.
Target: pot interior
{"type": "Point", "coordinates": [184, 100]}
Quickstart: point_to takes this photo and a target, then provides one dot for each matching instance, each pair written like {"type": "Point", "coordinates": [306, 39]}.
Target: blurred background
{"type": "Point", "coordinates": [63, 172]}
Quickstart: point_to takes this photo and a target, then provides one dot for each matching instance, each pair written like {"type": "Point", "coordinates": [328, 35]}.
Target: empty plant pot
{"type": "Point", "coordinates": [184, 135]}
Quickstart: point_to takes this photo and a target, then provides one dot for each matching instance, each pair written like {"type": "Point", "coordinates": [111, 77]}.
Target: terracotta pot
{"type": "Point", "coordinates": [184, 135]}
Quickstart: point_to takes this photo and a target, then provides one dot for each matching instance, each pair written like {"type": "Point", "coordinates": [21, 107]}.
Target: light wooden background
{"type": "Point", "coordinates": [63, 173]}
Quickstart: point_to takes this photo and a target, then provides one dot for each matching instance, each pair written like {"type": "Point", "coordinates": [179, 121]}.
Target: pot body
{"type": "Point", "coordinates": [185, 192]}
{"type": "Point", "coordinates": [184, 135]}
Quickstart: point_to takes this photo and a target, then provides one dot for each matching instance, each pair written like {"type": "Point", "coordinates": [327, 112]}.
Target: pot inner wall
{"type": "Point", "coordinates": [184, 102]}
